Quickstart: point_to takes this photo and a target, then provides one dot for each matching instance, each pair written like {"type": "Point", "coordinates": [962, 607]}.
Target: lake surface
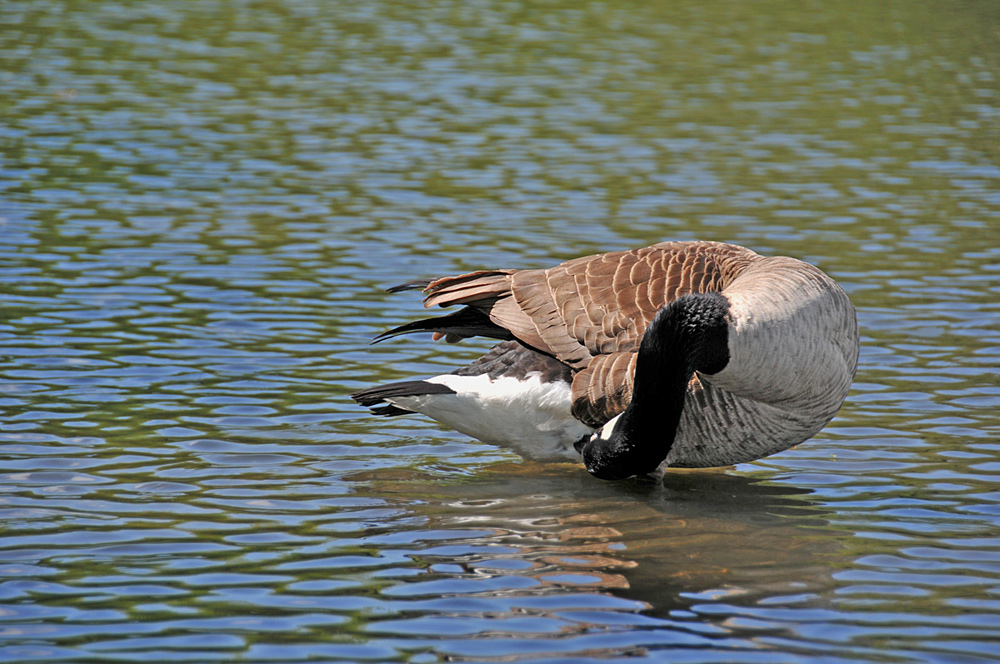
{"type": "Point", "coordinates": [202, 202]}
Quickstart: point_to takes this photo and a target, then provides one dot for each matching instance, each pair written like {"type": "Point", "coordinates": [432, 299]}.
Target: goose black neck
{"type": "Point", "coordinates": [689, 334]}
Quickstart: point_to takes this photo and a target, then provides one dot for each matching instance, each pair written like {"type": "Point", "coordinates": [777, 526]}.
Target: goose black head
{"type": "Point", "coordinates": [689, 334]}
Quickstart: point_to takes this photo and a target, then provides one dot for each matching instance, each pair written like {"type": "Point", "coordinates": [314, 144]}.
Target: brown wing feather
{"type": "Point", "coordinates": [475, 288]}
{"type": "Point", "coordinates": [590, 312]}
{"type": "Point", "coordinates": [604, 387]}
{"type": "Point", "coordinates": [506, 313]}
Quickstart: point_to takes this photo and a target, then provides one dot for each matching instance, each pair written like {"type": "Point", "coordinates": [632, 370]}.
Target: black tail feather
{"type": "Point", "coordinates": [416, 284]}
{"type": "Point", "coordinates": [407, 388]}
{"type": "Point", "coordinates": [466, 322]}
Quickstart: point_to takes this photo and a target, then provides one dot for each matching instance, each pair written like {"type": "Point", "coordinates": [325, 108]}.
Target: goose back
{"type": "Point", "coordinates": [590, 312]}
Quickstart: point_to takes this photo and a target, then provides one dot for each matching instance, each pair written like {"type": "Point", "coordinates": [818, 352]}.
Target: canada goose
{"type": "Point", "coordinates": [683, 354]}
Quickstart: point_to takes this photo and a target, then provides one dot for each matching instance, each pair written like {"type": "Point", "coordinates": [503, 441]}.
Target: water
{"type": "Point", "coordinates": [201, 202]}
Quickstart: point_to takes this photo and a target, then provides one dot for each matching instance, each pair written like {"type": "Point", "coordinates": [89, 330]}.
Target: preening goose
{"type": "Point", "coordinates": [684, 354]}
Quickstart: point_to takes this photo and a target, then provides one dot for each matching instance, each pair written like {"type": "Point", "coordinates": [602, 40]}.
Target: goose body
{"type": "Point", "coordinates": [684, 354]}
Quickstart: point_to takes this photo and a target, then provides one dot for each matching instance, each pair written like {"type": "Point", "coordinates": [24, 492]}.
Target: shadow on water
{"type": "Point", "coordinates": [539, 531]}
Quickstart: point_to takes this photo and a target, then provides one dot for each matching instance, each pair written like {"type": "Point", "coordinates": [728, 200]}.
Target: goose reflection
{"type": "Point", "coordinates": [547, 544]}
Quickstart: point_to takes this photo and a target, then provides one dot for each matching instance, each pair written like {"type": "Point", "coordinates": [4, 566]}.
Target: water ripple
{"type": "Point", "coordinates": [201, 205]}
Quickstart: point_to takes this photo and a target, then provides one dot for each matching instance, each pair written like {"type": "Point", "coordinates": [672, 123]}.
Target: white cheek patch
{"type": "Point", "coordinates": [605, 432]}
